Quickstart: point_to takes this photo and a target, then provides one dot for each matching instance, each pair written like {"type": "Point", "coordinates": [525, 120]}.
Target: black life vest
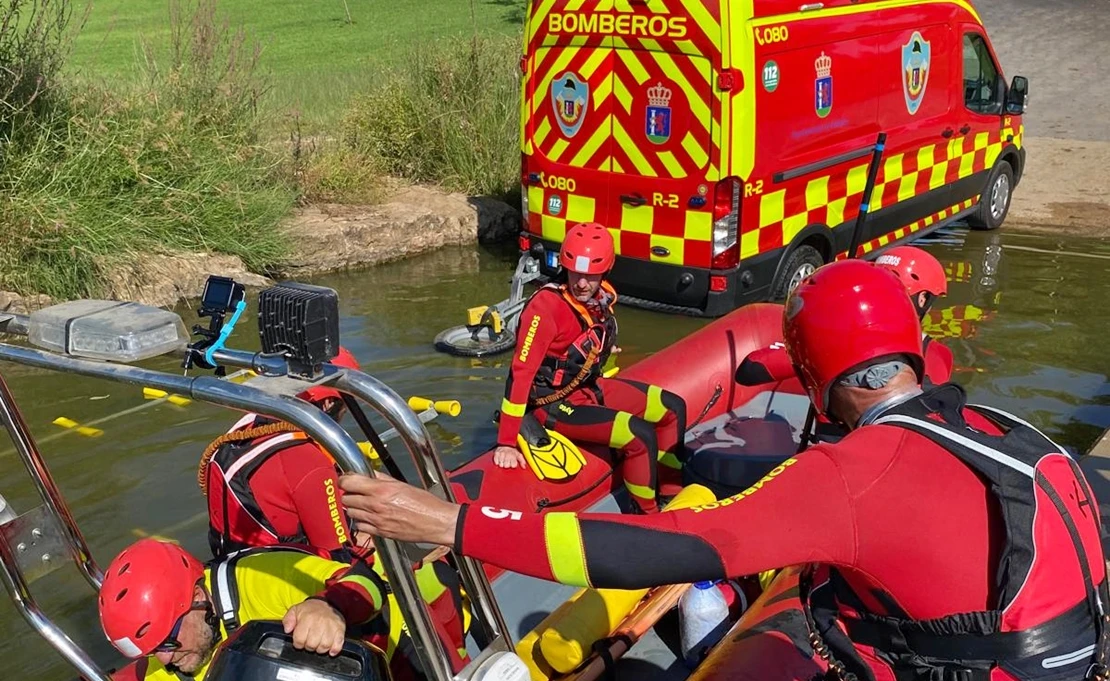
{"type": "Point", "coordinates": [1031, 634]}
{"type": "Point", "coordinates": [598, 331]}
{"type": "Point", "coordinates": [236, 521]}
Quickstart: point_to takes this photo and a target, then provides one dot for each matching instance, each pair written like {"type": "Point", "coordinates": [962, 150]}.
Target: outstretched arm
{"type": "Point", "coordinates": [800, 512]}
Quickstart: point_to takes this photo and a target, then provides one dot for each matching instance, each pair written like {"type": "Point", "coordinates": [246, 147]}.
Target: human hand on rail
{"type": "Point", "coordinates": [385, 507]}
{"type": "Point", "coordinates": [316, 626]}
{"type": "Point", "coordinates": [508, 457]}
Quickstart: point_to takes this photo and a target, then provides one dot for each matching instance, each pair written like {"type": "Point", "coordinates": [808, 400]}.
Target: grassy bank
{"type": "Point", "coordinates": [318, 58]}
{"type": "Point", "coordinates": [172, 136]}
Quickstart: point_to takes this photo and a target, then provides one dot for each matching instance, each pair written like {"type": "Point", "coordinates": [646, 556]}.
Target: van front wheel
{"type": "Point", "coordinates": [802, 262]}
{"type": "Point", "coordinates": [994, 203]}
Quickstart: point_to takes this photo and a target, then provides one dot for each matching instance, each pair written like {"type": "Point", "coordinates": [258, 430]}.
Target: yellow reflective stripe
{"type": "Point", "coordinates": [563, 539]}
{"type": "Point", "coordinates": [639, 490]}
{"type": "Point", "coordinates": [579, 208]}
{"type": "Point", "coordinates": [670, 460]}
{"type": "Point", "coordinates": [588, 69]}
{"type": "Point", "coordinates": [600, 136]}
{"type": "Point", "coordinates": [541, 132]}
{"type": "Point", "coordinates": [557, 149]}
{"type": "Point", "coordinates": [702, 17]}
{"type": "Point", "coordinates": [870, 7]}
{"type": "Point", "coordinates": [697, 153]}
{"type": "Point", "coordinates": [634, 66]}
{"type": "Point", "coordinates": [699, 226]}
{"type": "Point", "coordinates": [396, 627]}
{"type": "Point", "coordinates": [539, 17]}
{"type": "Point", "coordinates": [512, 408]}
{"type": "Point", "coordinates": [621, 434]}
{"type": "Point", "coordinates": [654, 411]}
{"type": "Point", "coordinates": [671, 164]}
{"type": "Point", "coordinates": [428, 582]}
{"type": "Point", "coordinates": [365, 583]}
{"type": "Point", "coordinates": [624, 97]}
{"type": "Point", "coordinates": [553, 228]}
{"type": "Point", "coordinates": [638, 160]}
{"type": "Point", "coordinates": [637, 218]}
{"type": "Point", "coordinates": [673, 244]}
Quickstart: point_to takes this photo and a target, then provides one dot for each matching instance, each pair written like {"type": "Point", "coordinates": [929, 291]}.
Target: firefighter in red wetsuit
{"type": "Point", "coordinates": [567, 332]}
{"type": "Point", "coordinates": [268, 484]}
{"type": "Point", "coordinates": [951, 542]}
{"type": "Point", "coordinates": [925, 281]}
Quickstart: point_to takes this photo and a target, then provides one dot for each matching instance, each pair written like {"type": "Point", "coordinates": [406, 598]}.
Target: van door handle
{"type": "Point", "coordinates": [966, 129]}
{"type": "Point", "coordinates": [633, 199]}
{"type": "Point", "coordinates": [948, 132]}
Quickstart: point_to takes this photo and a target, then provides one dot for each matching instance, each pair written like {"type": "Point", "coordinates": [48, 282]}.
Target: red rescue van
{"type": "Point", "coordinates": [726, 143]}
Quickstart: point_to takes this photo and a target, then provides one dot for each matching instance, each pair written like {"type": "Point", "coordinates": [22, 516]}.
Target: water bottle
{"type": "Point", "coordinates": [703, 618]}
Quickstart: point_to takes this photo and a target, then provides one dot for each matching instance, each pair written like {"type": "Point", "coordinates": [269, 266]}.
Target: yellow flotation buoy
{"type": "Point", "coordinates": [565, 638]}
{"type": "Point", "coordinates": [449, 407]}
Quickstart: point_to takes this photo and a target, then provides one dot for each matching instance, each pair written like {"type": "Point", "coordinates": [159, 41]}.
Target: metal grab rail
{"type": "Point", "coordinates": [271, 394]}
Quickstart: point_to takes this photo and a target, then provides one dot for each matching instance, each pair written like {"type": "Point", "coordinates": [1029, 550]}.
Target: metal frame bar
{"type": "Point", "coordinates": [286, 407]}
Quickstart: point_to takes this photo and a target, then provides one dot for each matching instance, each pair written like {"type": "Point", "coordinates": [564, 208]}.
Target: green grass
{"type": "Point", "coordinates": [318, 61]}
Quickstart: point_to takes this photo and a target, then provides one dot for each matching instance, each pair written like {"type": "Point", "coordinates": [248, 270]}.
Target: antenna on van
{"type": "Point", "coordinates": [809, 434]}
{"type": "Point", "coordinates": [865, 203]}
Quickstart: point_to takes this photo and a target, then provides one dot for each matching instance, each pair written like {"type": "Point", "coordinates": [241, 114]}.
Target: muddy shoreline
{"type": "Point", "coordinates": [1064, 191]}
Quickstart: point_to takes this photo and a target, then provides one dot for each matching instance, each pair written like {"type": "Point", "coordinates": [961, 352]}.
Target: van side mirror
{"type": "Point", "coordinates": [1018, 95]}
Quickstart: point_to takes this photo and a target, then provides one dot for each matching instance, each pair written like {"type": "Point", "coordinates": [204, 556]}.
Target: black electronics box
{"type": "Point", "coordinates": [301, 321]}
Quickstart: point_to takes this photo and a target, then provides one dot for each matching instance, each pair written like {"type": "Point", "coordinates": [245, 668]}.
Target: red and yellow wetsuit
{"type": "Point", "coordinates": [910, 528]}
{"type": "Point", "coordinates": [556, 339]}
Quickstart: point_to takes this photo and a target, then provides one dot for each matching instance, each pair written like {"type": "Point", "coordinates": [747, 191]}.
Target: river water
{"type": "Point", "coordinates": [1023, 316]}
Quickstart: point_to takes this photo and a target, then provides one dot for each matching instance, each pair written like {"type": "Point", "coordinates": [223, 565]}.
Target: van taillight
{"type": "Point", "coordinates": [726, 223]}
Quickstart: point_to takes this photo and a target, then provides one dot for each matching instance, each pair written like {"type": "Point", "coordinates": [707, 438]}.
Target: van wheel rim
{"type": "Point", "coordinates": [799, 274]}
{"type": "Point", "coordinates": [1000, 197]}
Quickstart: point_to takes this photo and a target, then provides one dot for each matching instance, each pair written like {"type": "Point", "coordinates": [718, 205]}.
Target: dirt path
{"type": "Point", "coordinates": [1063, 49]}
{"type": "Point", "coordinates": [1065, 189]}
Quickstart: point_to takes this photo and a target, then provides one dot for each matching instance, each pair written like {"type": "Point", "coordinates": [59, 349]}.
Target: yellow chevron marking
{"type": "Point", "coordinates": [629, 147]}
{"type": "Point", "coordinates": [701, 16]}
{"type": "Point", "coordinates": [697, 154]}
{"type": "Point", "coordinates": [671, 164]}
{"type": "Point", "coordinates": [557, 149]}
{"type": "Point", "coordinates": [617, 167]}
{"type": "Point", "coordinates": [602, 93]}
{"type": "Point", "coordinates": [542, 131]}
{"type": "Point", "coordinates": [870, 7]}
{"type": "Point", "coordinates": [590, 148]}
{"type": "Point", "coordinates": [595, 60]}
{"type": "Point", "coordinates": [624, 97]}
{"type": "Point", "coordinates": [698, 105]}
{"type": "Point", "coordinates": [539, 17]}
{"type": "Point", "coordinates": [634, 67]}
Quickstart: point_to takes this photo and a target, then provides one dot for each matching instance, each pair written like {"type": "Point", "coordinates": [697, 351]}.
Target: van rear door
{"type": "Point", "coordinates": [662, 142]}
{"type": "Point", "coordinates": [568, 131]}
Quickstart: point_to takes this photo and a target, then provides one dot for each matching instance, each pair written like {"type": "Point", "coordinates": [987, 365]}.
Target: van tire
{"type": "Point", "coordinates": [994, 202]}
{"type": "Point", "coordinates": [801, 262]}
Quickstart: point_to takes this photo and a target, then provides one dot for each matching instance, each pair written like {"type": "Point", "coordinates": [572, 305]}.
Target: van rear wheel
{"type": "Point", "coordinates": [802, 262]}
{"type": "Point", "coordinates": [994, 203]}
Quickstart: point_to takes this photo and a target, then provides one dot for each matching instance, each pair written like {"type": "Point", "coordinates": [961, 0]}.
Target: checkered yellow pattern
{"type": "Point", "coordinates": [834, 199]}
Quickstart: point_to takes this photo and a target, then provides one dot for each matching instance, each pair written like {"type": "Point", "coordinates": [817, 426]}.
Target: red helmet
{"type": "Point", "coordinates": [146, 589]}
{"type": "Point", "coordinates": [588, 249]}
{"type": "Point", "coordinates": [320, 393]}
{"type": "Point", "coordinates": [917, 268]}
{"type": "Point", "coordinates": [843, 315]}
